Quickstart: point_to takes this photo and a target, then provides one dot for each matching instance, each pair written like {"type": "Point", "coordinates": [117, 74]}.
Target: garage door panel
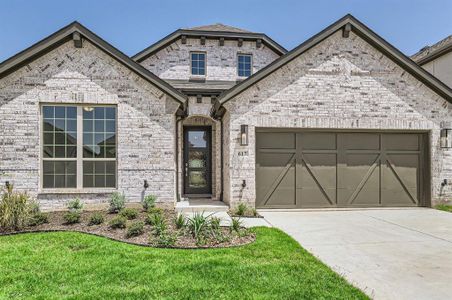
{"type": "Point", "coordinates": [401, 141]}
{"type": "Point", "coordinates": [360, 141]}
{"type": "Point", "coordinates": [314, 197]}
{"type": "Point", "coordinates": [318, 141]}
{"type": "Point", "coordinates": [267, 140]}
{"type": "Point", "coordinates": [276, 177]}
{"type": "Point", "coordinates": [331, 169]}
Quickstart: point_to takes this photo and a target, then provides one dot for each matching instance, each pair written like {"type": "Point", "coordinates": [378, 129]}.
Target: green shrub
{"type": "Point", "coordinates": [118, 222]}
{"type": "Point", "coordinates": [164, 239]}
{"type": "Point", "coordinates": [241, 209]}
{"type": "Point", "coordinates": [129, 213]}
{"type": "Point", "coordinates": [153, 218]}
{"type": "Point", "coordinates": [75, 205]}
{"type": "Point", "coordinates": [117, 202]}
{"type": "Point", "coordinates": [236, 224]}
{"type": "Point", "coordinates": [149, 202]}
{"type": "Point", "coordinates": [198, 225]}
{"type": "Point", "coordinates": [38, 218]}
{"type": "Point", "coordinates": [155, 210]}
{"type": "Point", "coordinates": [254, 212]}
{"type": "Point", "coordinates": [135, 229]}
{"type": "Point", "coordinates": [15, 209]}
{"type": "Point", "coordinates": [71, 217]}
{"type": "Point", "coordinates": [96, 218]}
{"type": "Point", "coordinates": [444, 207]}
{"type": "Point", "coordinates": [180, 221]}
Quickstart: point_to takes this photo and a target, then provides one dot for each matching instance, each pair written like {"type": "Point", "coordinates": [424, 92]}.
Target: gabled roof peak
{"type": "Point", "coordinates": [218, 27]}
{"type": "Point", "coordinates": [429, 53]}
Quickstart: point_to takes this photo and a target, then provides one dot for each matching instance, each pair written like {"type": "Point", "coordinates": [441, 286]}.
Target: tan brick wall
{"type": "Point", "coordinates": [342, 83]}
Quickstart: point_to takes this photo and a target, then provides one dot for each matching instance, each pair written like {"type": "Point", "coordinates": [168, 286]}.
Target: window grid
{"type": "Point", "coordinates": [244, 65]}
{"type": "Point", "coordinates": [198, 63]}
{"type": "Point", "coordinates": [63, 159]}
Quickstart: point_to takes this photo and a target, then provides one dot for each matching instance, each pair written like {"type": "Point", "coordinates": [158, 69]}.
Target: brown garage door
{"type": "Point", "coordinates": [334, 169]}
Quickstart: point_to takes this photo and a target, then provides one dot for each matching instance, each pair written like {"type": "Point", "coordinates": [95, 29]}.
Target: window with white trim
{"type": "Point", "coordinates": [79, 146]}
{"type": "Point", "coordinates": [244, 62]}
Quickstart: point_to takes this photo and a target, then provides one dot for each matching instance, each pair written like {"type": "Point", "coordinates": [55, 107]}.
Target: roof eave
{"type": "Point", "coordinates": [142, 55]}
{"type": "Point", "coordinates": [365, 33]}
{"type": "Point", "coordinates": [65, 34]}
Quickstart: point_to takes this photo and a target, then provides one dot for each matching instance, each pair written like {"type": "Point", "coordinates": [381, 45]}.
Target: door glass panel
{"type": "Point", "coordinates": [197, 139]}
{"type": "Point", "coordinates": [197, 159]}
{"type": "Point", "coordinates": [197, 179]}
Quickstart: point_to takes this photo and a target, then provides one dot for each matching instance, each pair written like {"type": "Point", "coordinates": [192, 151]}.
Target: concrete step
{"type": "Point", "coordinates": [200, 205]}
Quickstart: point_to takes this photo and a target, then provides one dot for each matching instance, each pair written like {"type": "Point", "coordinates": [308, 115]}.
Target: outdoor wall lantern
{"type": "Point", "coordinates": [243, 135]}
{"type": "Point", "coordinates": [446, 135]}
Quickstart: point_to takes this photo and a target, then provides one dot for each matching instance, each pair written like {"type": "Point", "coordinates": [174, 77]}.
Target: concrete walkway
{"type": "Point", "coordinates": [388, 253]}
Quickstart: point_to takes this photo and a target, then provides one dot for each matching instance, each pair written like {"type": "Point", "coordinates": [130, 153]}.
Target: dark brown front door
{"type": "Point", "coordinates": [340, 169]}
{"type": "Point", "coordinates": [197, 160]}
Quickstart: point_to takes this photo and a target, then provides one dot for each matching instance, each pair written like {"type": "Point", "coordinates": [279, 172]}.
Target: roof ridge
{"type": "Point", "coordinates": [430, 50]}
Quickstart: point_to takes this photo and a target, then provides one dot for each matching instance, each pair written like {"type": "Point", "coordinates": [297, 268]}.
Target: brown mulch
{"type": "Point", "coordinates": [184, 240]}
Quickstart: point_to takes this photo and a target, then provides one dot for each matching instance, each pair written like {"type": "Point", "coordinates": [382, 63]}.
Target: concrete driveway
{"type": "Point", "coordinates": [388, 253]}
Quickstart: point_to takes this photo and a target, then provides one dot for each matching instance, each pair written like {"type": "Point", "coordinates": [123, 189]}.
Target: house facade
{"type": "Point", "coordinates": [217, 112]}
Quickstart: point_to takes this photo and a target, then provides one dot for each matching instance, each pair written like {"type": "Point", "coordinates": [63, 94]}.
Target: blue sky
{"type": "Point", "coordinates": [135, 24]}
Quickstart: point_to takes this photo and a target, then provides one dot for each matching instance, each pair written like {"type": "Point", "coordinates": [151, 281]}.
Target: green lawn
{"type": "Point", "coordinates": [444, 207]}
{"type": "Point", "coordinates": [78, 266]}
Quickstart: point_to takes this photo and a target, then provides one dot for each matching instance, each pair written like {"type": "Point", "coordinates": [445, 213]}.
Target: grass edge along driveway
{"type": "Point", "coordinates": [70, 265]}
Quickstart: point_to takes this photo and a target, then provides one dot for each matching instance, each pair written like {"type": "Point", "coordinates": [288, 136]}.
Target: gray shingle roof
{"type": "Point", "coordinates": [430, 51]}
{"type": "Point", "coordinates": [218, 27]}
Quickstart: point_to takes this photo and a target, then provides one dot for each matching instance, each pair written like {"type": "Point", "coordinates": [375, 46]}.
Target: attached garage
{"type": "Point", "coordinates": [315, 169]}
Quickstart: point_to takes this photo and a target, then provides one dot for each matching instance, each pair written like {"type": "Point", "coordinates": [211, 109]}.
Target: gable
{"type": "Point", "coordinates": [77, 34]}
{"type": "Point", "coordinates": [339, 79]}
{"type": "Point", "coordinates": [344, 28]}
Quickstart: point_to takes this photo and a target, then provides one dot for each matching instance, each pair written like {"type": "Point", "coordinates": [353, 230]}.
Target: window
{"type": "Point", "coordinates": [79, 146]}
{"type": "Point", "coordinates": [198, 63]}
{"type": "Point", "coordinates": [244, 65]}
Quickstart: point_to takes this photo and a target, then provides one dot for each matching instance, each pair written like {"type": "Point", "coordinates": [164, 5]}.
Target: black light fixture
{"type": "Point", "coordinates": [446, 135]}
{"type": "Point", "coordinates": [243, 135]}
{"type": "Point", "coordinates": [7, 184]}
{"type": "Point", "coordinates": [145, 184]}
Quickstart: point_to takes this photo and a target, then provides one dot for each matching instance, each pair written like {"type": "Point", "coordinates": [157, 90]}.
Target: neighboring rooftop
{"type": "Point", "coordinates": [218, 27]}
{"type": "Point", "coordinates": [429, 53]}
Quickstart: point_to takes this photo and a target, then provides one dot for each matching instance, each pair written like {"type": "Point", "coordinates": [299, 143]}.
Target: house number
{"type": "Point", "coordinates": [243, 153]}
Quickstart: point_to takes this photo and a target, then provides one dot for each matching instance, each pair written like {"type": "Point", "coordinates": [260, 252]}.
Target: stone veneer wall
{"type": "Point", "coordinates": [173, 62]}
{"type": "Point", "coordinates": [342, 83]}
{"type": "Point", "coordinates": [146, 122]}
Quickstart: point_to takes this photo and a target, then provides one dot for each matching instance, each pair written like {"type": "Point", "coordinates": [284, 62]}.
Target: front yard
{"type": "Point", "coordinates": [80, 266]}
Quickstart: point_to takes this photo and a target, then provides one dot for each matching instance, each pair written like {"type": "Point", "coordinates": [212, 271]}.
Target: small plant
{"type": "Point", "coordinates": [180, 221]}
{"type": "Point", "coordinates": [215, 223]}
{"type": "Point", "coordinates": [71, 217]}
{"type": "Point", "coordinates": [198, 225]}
{"type": "Point", "coordinates": [117, 202]}
{"type": "Point", "coordinates": [129, 213]}
{"type": "Point", "coordinates": [149, 202]}
{"type": "Point", "coordinates": [154, 218]}
{"type": "Point", "coordinates": [38, 218]}
{"type": "Point", "coordinates": [241, 209]}
{"type": "Point", "coordinates": [164, 239]}
{"type": "Point", "coordinates": [254, 212]}
{"type": "Point", "coordinates": [135, 229]}
{"type": "Point", "coordinates": [75, 205]}
{"type": "Point", "coordinates": [118, 222]}
{"type": "Point", "coordinates": [155, 210]}
{"type": "Point", "coordinates": [15, 209]}
{"type": "Point", "coordinates": [96, 219]}
{"type": "Point", "coordinates": [236, 225]}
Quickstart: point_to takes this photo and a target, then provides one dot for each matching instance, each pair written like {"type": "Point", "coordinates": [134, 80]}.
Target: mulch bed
{"type": "Point", "coordinates": [184, 240]}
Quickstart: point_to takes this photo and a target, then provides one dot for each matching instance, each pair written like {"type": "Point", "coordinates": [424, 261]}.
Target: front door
{"type": "Point", "coordinates": [197, 161]}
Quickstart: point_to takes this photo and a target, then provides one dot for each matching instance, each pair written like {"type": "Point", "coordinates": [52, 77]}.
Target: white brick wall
{"type": "Point", "coordinates": [339, 84]}
{"type": "Point", "coordinates": [173, 62]}
{"type": "Point", "coordinates": [146, 121]}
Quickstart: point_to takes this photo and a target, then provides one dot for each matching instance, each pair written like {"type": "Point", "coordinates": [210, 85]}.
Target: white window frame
{"type": "Point", "coordinates": [205, 63]}
{"type": "Point", "coordinates": [79, 158]}
{"type": "Point", "coordinates": [251, 64]}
